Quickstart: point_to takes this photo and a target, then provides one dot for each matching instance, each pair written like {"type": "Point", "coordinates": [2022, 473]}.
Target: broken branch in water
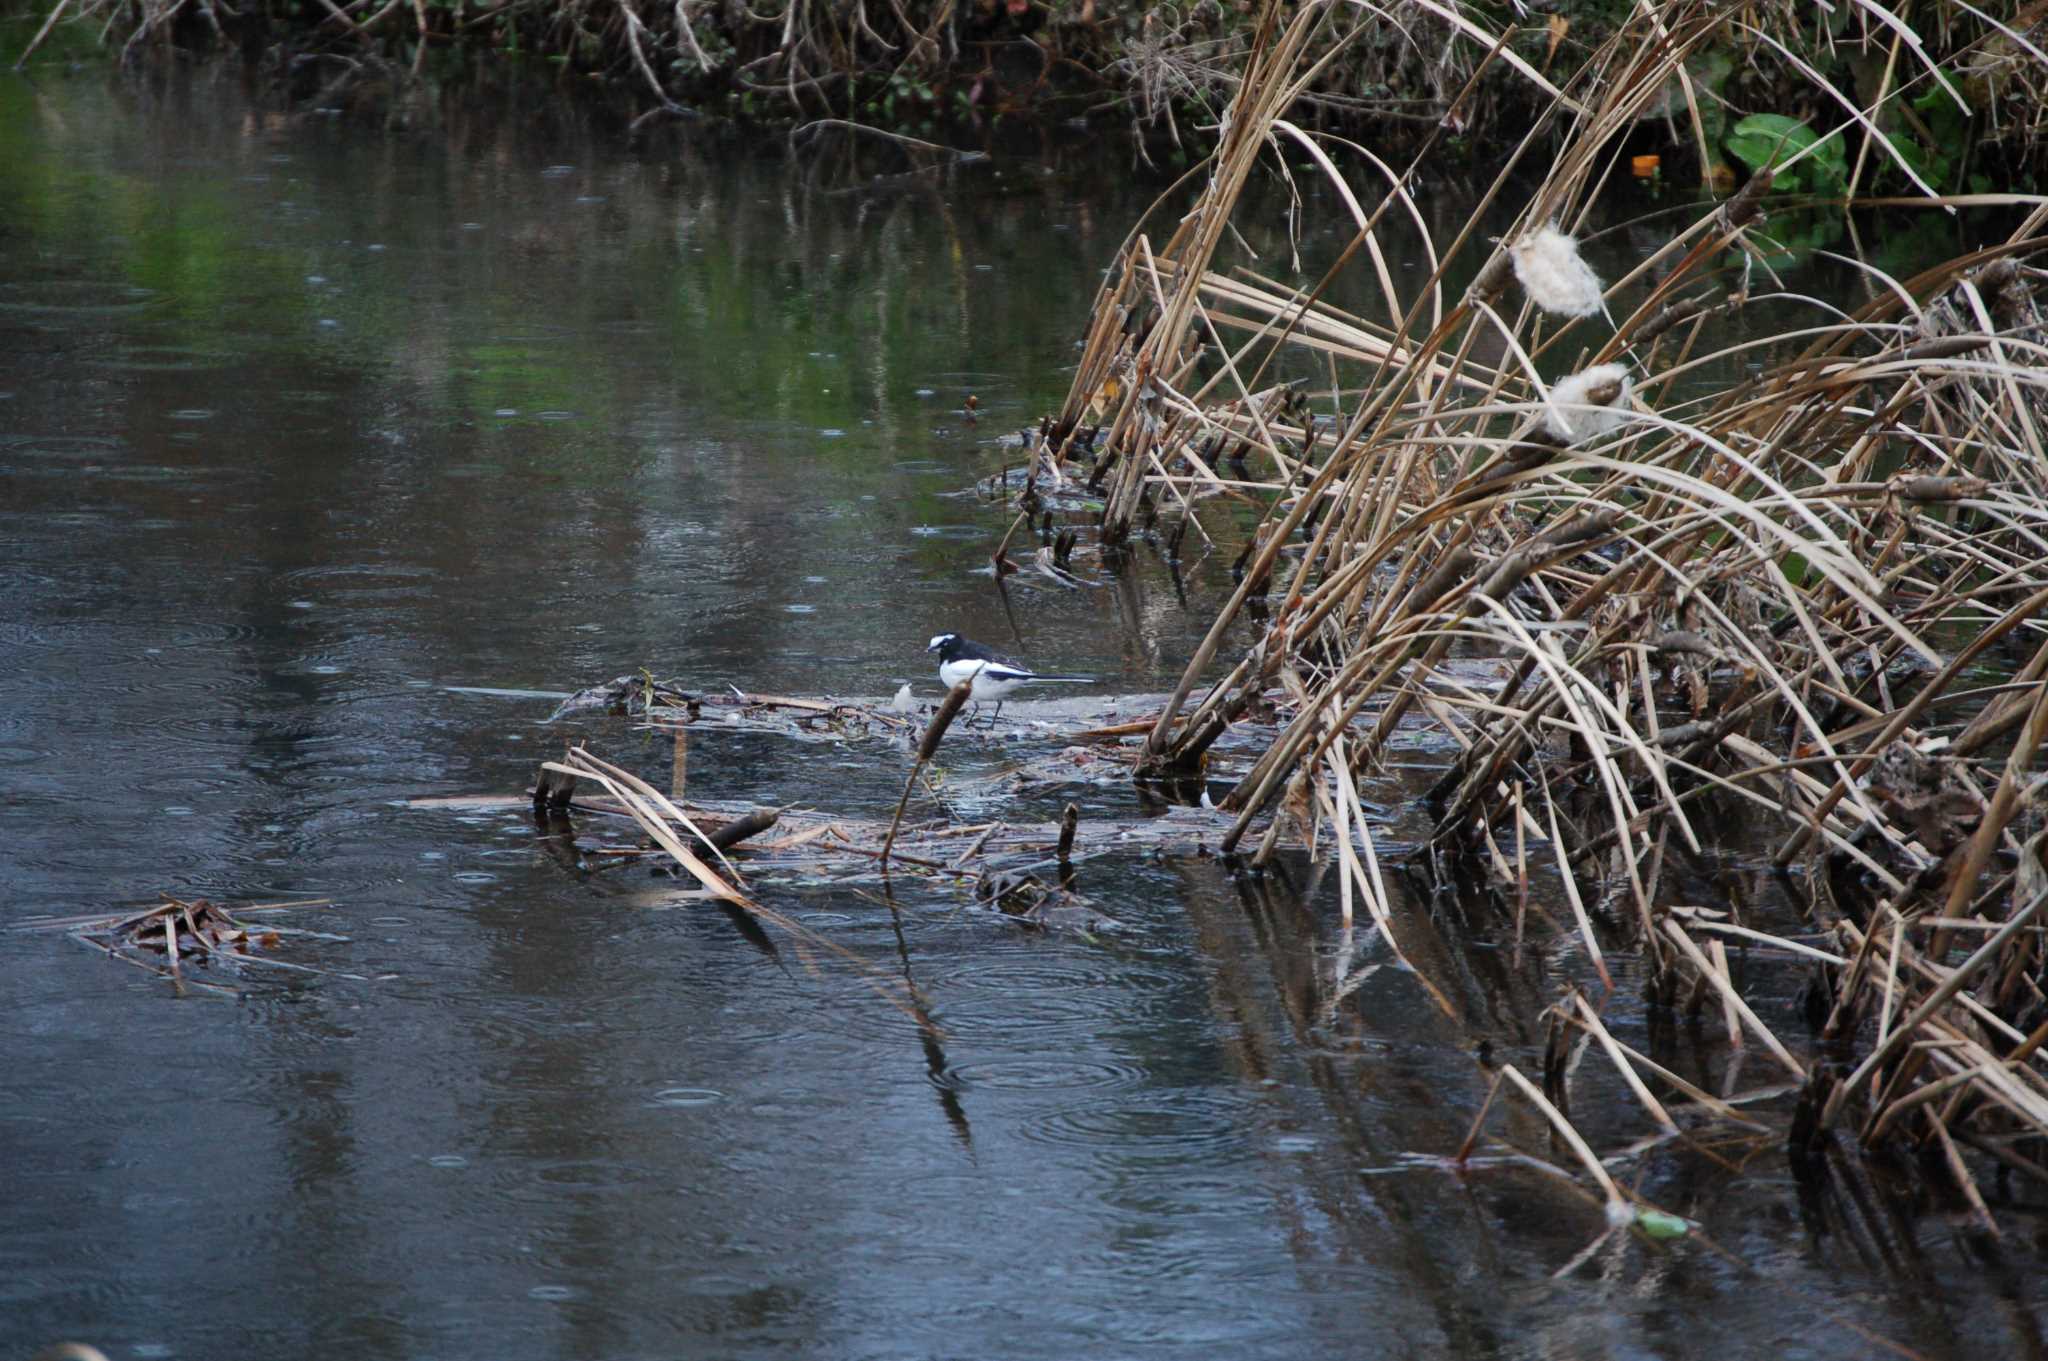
{"type": "Point", "coordinates": [955, 700]}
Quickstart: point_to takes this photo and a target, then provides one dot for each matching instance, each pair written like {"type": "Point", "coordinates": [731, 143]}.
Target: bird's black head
{"type": "Point", "coordinates": [942, 643]}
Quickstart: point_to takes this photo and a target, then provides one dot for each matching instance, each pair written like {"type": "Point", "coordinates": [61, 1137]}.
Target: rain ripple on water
{"type": "Point", "coordinates": [66, 299]}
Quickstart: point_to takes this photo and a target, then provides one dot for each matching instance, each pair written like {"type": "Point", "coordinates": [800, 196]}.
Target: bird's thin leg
{"type": "Point", "coordinates": [996, 715]}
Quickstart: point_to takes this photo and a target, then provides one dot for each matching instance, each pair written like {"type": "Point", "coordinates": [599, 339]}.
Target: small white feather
{"type": "Point", "coordinates": [1590, 404]}
{"type": "Point", "coordinates": [1548, 265]}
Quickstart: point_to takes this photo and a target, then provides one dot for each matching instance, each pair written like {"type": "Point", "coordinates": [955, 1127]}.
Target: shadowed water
{"type": "Point", "coordinates": [302, 425]}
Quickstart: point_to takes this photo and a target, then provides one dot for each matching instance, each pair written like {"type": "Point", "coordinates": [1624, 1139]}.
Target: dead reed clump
{"type": "Point", "coordinates": [178, 935]}
{"type": "Point", "coordinates": [1813, 596]}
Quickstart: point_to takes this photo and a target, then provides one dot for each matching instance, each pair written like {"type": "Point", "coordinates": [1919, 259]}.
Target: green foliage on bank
{"type": "Point", "coordinates": [1948, 84]}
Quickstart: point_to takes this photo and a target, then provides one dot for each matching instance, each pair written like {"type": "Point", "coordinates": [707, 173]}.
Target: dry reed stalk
{"type": "Point", "coordinates": [656, 815]}
{"type": "Point", "coordinates": [1909, 1029]}
{"type": "Point", "coordinates": [1265, 91]}
{"type": "Point", "coordinates": [659, 818]}
{"type": "Point", "coordinates": [955, 700]}
{"type": "Point", "coordinates": [1617, 1203]}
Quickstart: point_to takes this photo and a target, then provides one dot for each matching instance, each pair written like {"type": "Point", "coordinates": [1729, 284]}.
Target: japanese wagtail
{"type": "Point", "coordinates": [995, 677]}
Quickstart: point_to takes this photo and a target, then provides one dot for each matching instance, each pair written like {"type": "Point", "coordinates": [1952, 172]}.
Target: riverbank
{"type": "Point", "coordinates": [1961, 94]}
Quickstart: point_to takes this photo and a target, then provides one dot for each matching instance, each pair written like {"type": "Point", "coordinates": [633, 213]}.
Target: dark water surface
{"type": "Point", "coordinates": [302, 425]}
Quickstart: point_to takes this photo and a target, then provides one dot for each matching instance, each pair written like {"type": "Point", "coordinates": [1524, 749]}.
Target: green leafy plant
{"type": "Point", "coordinates": [1772, 139]}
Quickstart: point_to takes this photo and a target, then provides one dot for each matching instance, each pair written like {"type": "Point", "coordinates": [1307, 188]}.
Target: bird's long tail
{"type": "Point", "coordinates": [1063, 680]}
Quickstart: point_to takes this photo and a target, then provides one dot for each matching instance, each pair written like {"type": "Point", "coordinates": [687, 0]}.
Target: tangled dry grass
{"type": "Point", "coordinates": [1795, 578]}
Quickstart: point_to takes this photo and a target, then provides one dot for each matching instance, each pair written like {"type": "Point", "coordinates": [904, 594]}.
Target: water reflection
{"type": "Point", "coordinates": [302, 427]}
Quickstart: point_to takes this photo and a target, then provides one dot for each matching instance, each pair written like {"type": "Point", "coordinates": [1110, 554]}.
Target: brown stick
{"type": "Point", "coordinates": [943, 719]}
{"type": "Point", "coordinates": [739, 829]}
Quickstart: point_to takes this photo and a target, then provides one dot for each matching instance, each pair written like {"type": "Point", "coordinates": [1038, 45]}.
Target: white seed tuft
{"type": "Point", "coordinates": [1588, 405]}
{"type": "Point", "coordinates": [1552, 274]}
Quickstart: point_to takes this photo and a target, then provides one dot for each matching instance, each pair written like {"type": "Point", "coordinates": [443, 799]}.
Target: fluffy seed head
{"type": "Point", "coordinates": [1548, 265]}
{"type": "Point", "coordinates": [1590, 404]}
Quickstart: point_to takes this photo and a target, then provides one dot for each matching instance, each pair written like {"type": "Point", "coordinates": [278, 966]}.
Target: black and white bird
{"type": "Point", "coordinates": [995, 677]}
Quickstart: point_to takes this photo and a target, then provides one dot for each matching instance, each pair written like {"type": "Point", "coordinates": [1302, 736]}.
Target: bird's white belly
{"type": "Point", "coordinates": [986, 686]}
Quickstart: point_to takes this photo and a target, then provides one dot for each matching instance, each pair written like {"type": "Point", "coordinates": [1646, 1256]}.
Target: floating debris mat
{"type": "Point", "coordinates": [805, 844]}
{"type": "Point", "coordinates": [176, 936]}
{"type": "Point", "coordinates": [829, 845]}
{"type": "Point", "coordinates": [1114, 727]}
{"type": "Point", "coordinates": [667, 702]}
{"type": "Point", "coordinates": [1016, 891]}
